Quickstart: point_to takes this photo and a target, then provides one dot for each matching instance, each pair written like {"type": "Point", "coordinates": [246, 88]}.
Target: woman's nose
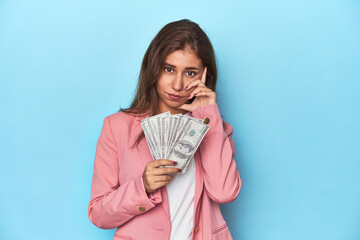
{"type": "Point", "coordinates": [177, 83]}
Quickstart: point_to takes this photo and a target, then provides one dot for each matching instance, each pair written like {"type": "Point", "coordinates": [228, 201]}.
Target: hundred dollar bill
{"type": "Point", "coordinates": [187, 142]}
{"type": "Point", "coordinates": [152, 134]}
{"type": "Point", "coordinates": [173, 130]}
{"type": "Point", "coordinates": [150, 139]}
{"type": "Point", "coordinates": [175, 137]}
{"type": "Point", "coordinates": [195, 119]}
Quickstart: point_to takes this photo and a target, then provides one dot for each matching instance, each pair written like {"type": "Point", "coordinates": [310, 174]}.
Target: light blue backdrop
{"type": "Point", "coordinates": [289, 82]}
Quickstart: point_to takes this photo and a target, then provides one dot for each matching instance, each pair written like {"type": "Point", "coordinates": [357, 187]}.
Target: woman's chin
{"type": "Point", "coordinates": [174, 104]}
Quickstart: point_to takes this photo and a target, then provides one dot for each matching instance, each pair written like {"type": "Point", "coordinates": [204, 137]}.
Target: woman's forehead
{"type": "Point", "coordinates": [183, 59]}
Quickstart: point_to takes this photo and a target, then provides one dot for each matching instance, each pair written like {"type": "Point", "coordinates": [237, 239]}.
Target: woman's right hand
{"type": "Point", "coordinates": [155, 177]}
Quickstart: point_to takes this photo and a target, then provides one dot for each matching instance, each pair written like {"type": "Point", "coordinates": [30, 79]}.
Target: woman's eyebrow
{"type": "Point", "coordinates": [192, 68]}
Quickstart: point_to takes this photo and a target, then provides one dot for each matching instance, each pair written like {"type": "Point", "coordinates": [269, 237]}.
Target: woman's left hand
{"type": "Point", "coordinates": [203, 95]}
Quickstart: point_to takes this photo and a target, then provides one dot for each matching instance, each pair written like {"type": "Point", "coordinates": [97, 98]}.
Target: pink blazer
{"type": "Point", "coordinates": [118, 197]}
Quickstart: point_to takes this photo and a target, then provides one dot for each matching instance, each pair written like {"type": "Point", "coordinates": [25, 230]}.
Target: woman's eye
{"type": "Point", "coordinates": [191, 73]}
{"type": "Point", "coordinates": [167, 69]}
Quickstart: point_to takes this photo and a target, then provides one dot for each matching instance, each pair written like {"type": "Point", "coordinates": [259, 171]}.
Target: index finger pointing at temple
{"type": "Point", "coordinates": [203, 77]}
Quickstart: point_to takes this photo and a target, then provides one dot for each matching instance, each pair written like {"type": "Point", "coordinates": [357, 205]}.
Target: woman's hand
{"type": "Point", "coordinates": [155, 177]}
{"type": "Point", "coordinates": [203, 95]}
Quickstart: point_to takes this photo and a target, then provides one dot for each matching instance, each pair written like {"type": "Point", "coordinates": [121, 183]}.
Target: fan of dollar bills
{"type": "Point", "coordinates": [174, 137]}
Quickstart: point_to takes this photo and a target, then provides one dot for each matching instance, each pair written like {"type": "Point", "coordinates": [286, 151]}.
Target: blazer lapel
{"type": "Point", "coordinates": [144, 151]}
{"type": "Point", "coordinates": [198, 178]}
{"type": "Point", "coordinates": [198, 186]}
{"type": "Point", "coordinates": [142, 147]}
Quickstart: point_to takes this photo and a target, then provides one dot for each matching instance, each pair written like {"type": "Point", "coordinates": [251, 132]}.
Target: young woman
{"type": "Point", "coordinates": [130, 190]}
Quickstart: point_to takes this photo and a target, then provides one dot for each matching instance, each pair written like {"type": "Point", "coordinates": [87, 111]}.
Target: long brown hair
{"type": "Point", "coordinates": [178, 35]}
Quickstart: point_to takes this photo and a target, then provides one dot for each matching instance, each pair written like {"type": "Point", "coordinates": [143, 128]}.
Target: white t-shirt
{"type": "Point", "coordinates": [181, 192]}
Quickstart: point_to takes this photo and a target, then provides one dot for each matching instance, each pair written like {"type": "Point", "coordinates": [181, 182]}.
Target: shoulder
{"type": "Point", "coordinates": [122, 121]}
{"type": "Point", "coordinates": [121, 117]}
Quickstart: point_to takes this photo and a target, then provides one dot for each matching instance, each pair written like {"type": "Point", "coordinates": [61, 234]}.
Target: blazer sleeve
{"type": "Point", "coordinates": [112, 204]}
{"type": "Point", "coordinates": [221, 178]}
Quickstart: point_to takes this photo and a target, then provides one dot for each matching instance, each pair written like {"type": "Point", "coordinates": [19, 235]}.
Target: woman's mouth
{"type": "Point", "coordinates": [174, 97]}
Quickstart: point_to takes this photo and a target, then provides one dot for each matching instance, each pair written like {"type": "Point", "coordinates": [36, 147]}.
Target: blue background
{"type": "Point", "coordinates": [289, 82]}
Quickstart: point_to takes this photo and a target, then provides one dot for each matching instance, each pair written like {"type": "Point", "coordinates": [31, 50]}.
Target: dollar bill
{"type": "Point", "coordinates": [187, 142]}
{"type": "Point", "coordinates": [151, 130]}
{"type": "Point", "coordinates": [174, 137]}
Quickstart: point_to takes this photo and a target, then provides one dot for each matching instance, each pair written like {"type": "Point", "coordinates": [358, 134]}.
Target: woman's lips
{"type": "Point", "coordinates": [174, 97]}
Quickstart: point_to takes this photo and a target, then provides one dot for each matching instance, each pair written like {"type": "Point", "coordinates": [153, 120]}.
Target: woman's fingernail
{"type": "Point", "coordinates": [174, 162]}
{"type": "Point", "coordinates": [195, 94]}
{"type": "Point", "coordinates": [189, 96]}
{"type": "Point", "coordinates": [179, 170]}
{"type": "Point", "coordinates": [186, 88]}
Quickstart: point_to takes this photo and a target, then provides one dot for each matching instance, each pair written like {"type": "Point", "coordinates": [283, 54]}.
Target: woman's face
{"type": "Point", "coordinates": [181, 67]}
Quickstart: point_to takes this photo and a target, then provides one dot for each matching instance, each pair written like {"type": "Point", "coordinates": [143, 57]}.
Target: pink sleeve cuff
{"type": "Point", "coordinates": [210, 111]}
{"type": "Point", "coordinates": [146, 202]}
{"type": "Point", "coordinates": [155, 197]}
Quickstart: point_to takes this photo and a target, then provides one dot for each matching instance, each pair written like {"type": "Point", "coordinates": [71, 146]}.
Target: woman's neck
{"type": "Point", "coordinates": [171, 110]}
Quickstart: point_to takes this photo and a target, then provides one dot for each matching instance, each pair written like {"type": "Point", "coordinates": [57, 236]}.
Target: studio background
{"type": "Point", "coordinates": [289, 83]}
